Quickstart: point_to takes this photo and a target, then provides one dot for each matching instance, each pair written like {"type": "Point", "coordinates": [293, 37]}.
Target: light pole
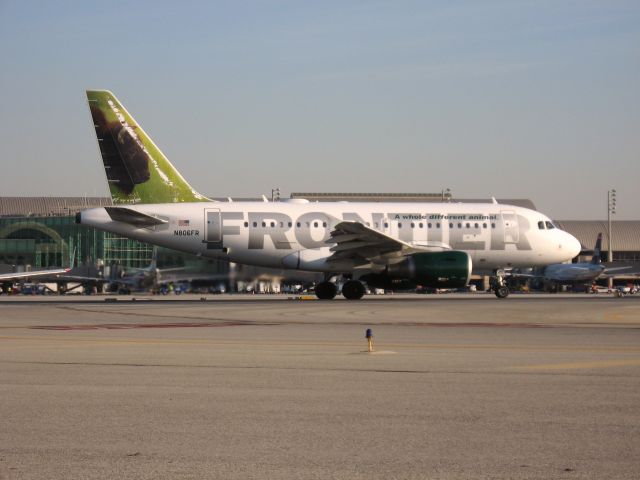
{"type": "Point", "coordinates": [611, 210]}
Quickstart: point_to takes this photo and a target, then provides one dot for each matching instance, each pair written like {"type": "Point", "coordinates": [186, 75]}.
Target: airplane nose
{"type": "Point", "coordinates": [573, 245]}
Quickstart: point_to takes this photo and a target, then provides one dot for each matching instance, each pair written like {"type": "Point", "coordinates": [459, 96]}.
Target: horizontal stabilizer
{"type": "Point", "coordinates": [33, 274]}
{"type": "Point", "coordinates": [133, 217]}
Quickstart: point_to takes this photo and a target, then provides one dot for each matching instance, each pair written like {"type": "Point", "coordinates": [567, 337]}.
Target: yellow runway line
{"type": "Point", "coordinates": [583, 365]}
{"type": "Point", "coordinates": [297, 343]}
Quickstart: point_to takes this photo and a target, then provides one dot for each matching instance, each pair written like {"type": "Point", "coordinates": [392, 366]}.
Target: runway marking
{"type": "Point", "coordinates": [296, 343]}
{"type": "Point", "coordinates": [243, 323]}
{"type": "Point", "coordinates": [583, 365]}
{"type": "Point", "coordinates": [131, 326]}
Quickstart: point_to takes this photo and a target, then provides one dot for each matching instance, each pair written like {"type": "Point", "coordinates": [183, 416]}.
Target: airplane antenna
{"type": "Point", "coordinates": [494, 201]}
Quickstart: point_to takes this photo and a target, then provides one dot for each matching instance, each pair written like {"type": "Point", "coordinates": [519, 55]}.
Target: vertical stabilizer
{"type": "Point", "coordinates": [596, 259]}
{"type": "Point", "coordinates": [137, 171]}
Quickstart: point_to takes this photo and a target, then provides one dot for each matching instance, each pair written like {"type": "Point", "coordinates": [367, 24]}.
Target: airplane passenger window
{"type": "Point", "coordinates": [246, 224]}
{"type": "Point", "coordinates": [399, 225]}
{"type": "Point", "coordinates": [475, 225]}
{"type": "Point", "coordinates": [459, 225]}
{"type": "Point", "coordinates": [420, 225]}
{"type": "Point", "coordinates": [493, 225]}
{"type": "Point", "coordinates": [386, 225]}
{"type": "Point", "coordinates": [315, 224]}
{"type": "Point", "coordinates": [428, 225]}
{"type": "Point", "coordinates": [484, 225]}
{"type": "Point", "coordinates": [324, 224]}
{"type": "Point", "coordinates": [413, 225]}
{"type": "Point", "coordinates": [273, 224]}
{"type": "Point", "coordinates": [255, 224]}
{"type": "Point", "coordinates": [290, 224]}
{"type": "Point", "coordinates": [437, 225]}
{"type": "Point", "coordinates": [468, 225]}
{"type": "Point", "coordinates": [264, 224]}
{"type": "Point", "coordinates": [451, 225]}
{"type": "Point", "coordinates": [298, 224]}
{"type": "Point", "coordinates": [541, 225]}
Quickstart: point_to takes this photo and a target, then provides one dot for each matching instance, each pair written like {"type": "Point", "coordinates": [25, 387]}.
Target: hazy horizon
{"type": "Point", "coordinates": [526, 99]}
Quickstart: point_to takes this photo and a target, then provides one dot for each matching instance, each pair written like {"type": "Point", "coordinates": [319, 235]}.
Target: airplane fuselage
{"type": "Point", "coordinates": [576, 272]}
{"type": "Point", "coordinates": [296, 234]}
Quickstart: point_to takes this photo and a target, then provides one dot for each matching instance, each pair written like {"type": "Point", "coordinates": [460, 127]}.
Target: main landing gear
{"type": "Point", "coordinates": [326, 290]}
{"type": "Point", "coordinates": [352, 290]}
{"type": "Point", "coordinates": [499, 286]}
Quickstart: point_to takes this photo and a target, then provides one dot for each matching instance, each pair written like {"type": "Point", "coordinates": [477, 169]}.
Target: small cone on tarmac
{"type": "Point", "coordinates": [369, 336]}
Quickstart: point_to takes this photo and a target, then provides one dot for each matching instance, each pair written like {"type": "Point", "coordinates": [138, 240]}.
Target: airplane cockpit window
{"type": "Point", "coordinates": [549, 225]}
{"type": "Point", "coordinates": [541, 225]}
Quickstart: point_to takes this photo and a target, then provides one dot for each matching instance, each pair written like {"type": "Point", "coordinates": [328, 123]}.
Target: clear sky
{"type": "Point", "coordinates": [515, 99]}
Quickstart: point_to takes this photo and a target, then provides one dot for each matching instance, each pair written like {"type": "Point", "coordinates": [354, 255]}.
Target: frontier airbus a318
{"type": "Point", "coordinates": [386, 245]}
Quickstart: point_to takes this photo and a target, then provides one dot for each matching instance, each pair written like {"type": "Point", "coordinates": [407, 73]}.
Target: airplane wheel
{"type": "Point", "coordinates": [353, 290]}
{"type": "Point", "coordinates": [502, 292]}
{"type": "Point", "coordinates": [326, 290]}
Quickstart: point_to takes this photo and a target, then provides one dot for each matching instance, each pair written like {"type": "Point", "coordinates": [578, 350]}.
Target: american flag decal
{"type": "Point", "coordinates": [183, 223]}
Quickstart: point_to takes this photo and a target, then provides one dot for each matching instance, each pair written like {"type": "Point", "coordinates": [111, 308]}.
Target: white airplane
{"type": "Point", "coordinates": [387, 245]}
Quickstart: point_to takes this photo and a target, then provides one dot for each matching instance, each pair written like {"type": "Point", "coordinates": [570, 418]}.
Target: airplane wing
{"type": "Point", "coordinates": [37, 273]}
{"type": "Point", "coordinates": [359, 245]}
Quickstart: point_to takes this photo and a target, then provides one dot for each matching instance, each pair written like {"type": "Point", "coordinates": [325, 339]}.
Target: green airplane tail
{"type": "Point", "coordinates": [137, 171]}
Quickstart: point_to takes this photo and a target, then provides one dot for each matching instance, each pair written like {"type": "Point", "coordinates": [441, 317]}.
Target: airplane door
{"type": "Point", "coordinates": [511, 230]}
{"type": "Point", "coordinates": [213, 228]}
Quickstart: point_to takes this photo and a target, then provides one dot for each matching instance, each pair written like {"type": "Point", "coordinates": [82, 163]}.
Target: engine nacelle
{"type": "Point", "coordinates": [450, 269]}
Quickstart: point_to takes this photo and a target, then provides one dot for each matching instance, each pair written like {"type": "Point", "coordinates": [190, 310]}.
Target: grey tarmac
{"type": "Point", "coordinates": [244, 387]}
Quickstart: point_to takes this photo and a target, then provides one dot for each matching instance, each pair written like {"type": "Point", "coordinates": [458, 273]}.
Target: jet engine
{"type": "Point", "coordinates": [450, 269]}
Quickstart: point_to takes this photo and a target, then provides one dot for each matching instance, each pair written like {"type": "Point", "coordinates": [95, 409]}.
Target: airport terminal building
{"type": "Point", "coordinates": [40, 232]}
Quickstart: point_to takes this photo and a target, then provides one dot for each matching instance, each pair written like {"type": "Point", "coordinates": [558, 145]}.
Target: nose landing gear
{"type": "Point", "coordinates": [499, 286]}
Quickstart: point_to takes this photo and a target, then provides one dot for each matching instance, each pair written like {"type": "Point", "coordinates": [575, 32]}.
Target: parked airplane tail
{"type": "Point", "coordinates": [596, 259]}
{"type": "Point", "coordinates": [137, 171]}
